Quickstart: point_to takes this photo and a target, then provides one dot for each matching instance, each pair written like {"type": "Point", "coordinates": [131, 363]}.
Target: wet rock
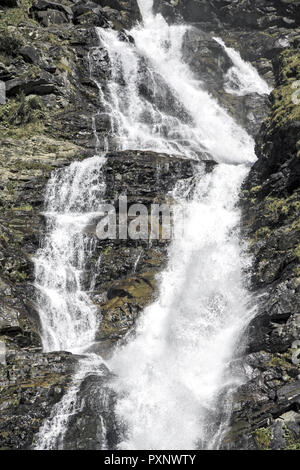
{"type": "Point", "coordinates": [290, 393]}
{"type": "Point", "coordinates": [49, 17]}
{"type": "Point", "coordinates": [271, 214]}
{"type": "Point", "coordinates": [94, 427]}
{"type": "Point", "coordinates": [146, 173]}
{"type": "Point", "coordinates": [258, 14]}
{"type": "Point", "coordinates": [89, 13]}
{"type": "Point", "coordinates": [130, 12]}
{"type": "Point", "coordinates": [30, 384]}
{"type": "Point", "coordinates": [5, 74]}
{"type": "Point", "coordinates": [107, 13]}
{"type": "Point", "coordinates": [206, 58]}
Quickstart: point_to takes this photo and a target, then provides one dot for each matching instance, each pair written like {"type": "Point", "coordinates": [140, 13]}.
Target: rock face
{"type": "Point", "coordinates": [267, 407]}
{"type": "Point", "coordinates": [30, 384]}
{"type": "Point", "coordinates": [257, 14]}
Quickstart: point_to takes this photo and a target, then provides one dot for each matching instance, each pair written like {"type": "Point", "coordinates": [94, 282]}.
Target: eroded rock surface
{"type": "Point", "coordinates": [266, 414]}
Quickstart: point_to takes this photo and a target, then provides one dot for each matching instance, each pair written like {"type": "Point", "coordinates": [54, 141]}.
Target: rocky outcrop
{"type": "Point", "coordinates": [266, 413]}
{"type": "Point", "coordinates": [30, 384]}
{"type": "Point", "coordinates": [96, 404]}
{"type": "Point", "coordinates": [245, 14]}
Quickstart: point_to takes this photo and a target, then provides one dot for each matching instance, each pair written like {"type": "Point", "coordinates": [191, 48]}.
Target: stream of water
{"type": "Point", "coordinates": [171, 376]}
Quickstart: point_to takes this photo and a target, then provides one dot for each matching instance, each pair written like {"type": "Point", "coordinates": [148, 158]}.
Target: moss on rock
{"type": "Point", "coordinates": [262, 438]}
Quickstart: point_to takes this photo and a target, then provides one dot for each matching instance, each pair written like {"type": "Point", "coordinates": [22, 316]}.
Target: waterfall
{"type": "Point", "coordinates": [171, 376]}
{"type": "Point", "coordinates": [242, 78]}
{"type": "Point", "coordinates": [67, 315]}
{"type": "Point", "coordinates": [192, 120]}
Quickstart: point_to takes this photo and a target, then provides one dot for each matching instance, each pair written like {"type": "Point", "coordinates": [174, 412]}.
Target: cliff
{"type": "Point", "coordinates": [46, 122]}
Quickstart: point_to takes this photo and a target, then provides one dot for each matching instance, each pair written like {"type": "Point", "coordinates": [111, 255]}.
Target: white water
{"type": "Point", "coordinates": [242, 78]}
{"type": "Point", "coordinates": [140, 124]}
{"type": "Point", "coordinates": [67, 315]}
{"type": "Point", "coordinates": [169, 378]}
{"type": "Point", "coordinates": [170, 375]}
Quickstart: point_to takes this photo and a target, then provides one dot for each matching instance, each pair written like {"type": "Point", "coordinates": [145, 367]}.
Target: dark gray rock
{"type": "Point", "coordinates": [94, 426]}
{"type": "Point", "coordinates": [30, 384]}
{"type": "Point", "coordinates": [30, 54]}
{"type": "Point", "coordinates": [270, 203]}
{"type": "Point", "coordinates": [44, 5]}
{"type": "Point", "coordinates": [257, 14]}
{"type": "Point", "coordinates": [49, 17]}
{"type": "Point", "coordinates": [10, 3]}
{"type": "Point", "coordinates": [44, 84]}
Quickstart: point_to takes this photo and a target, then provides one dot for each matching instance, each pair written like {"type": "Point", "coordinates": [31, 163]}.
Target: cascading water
{"type": "Point", "coordinates": [67, 316]}
{"type": "Point", "coordinates": [169, 378]}
{"type": "Point", "coordinates": [193, 118]}
{"type": "Point", "coordinates": [242, 78]}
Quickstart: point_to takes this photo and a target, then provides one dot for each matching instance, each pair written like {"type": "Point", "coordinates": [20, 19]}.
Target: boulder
{"type": "Point", "coordinates": [30, 54]}
{"type": "Point", "coordinates": [49, 17]}
{"type": "Point", "coordinates": [44, 5]}
{"type": "Point", "coordinates": [96, 414]}
{"type": "Point", "coordinates": [45, 84]}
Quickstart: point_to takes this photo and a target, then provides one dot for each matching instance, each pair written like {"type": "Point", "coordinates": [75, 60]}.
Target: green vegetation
{"type": "Point", "coordinates": [284, 360]}
{"type": "Point", "coordinates": [255, 189]}
{"type": "Point", "coordinates": [26, 208]}
{"type": "Point", "coordinates": [10, 45]}
{"type": "Point", "coordinates": [64, 67]}
{"type": "Point", "coordinates": [16, 16]}
{"type": "Point", "coordinates": [284, 108]}
{"type": "Point", "coordinates": [281, 206]}
{"type": "Point", "coordinates": [18, 276]}
{"type": "Point", "coordinates": [262, 437]}
{"type": "Point", "coordinates": [263, 232]}
{"type": "Point", "coordinates": [22, 110]}
{"type": "Point", "coordinates": [291, 442]}
{"type": "Point", "coordinates": [297, 252]}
